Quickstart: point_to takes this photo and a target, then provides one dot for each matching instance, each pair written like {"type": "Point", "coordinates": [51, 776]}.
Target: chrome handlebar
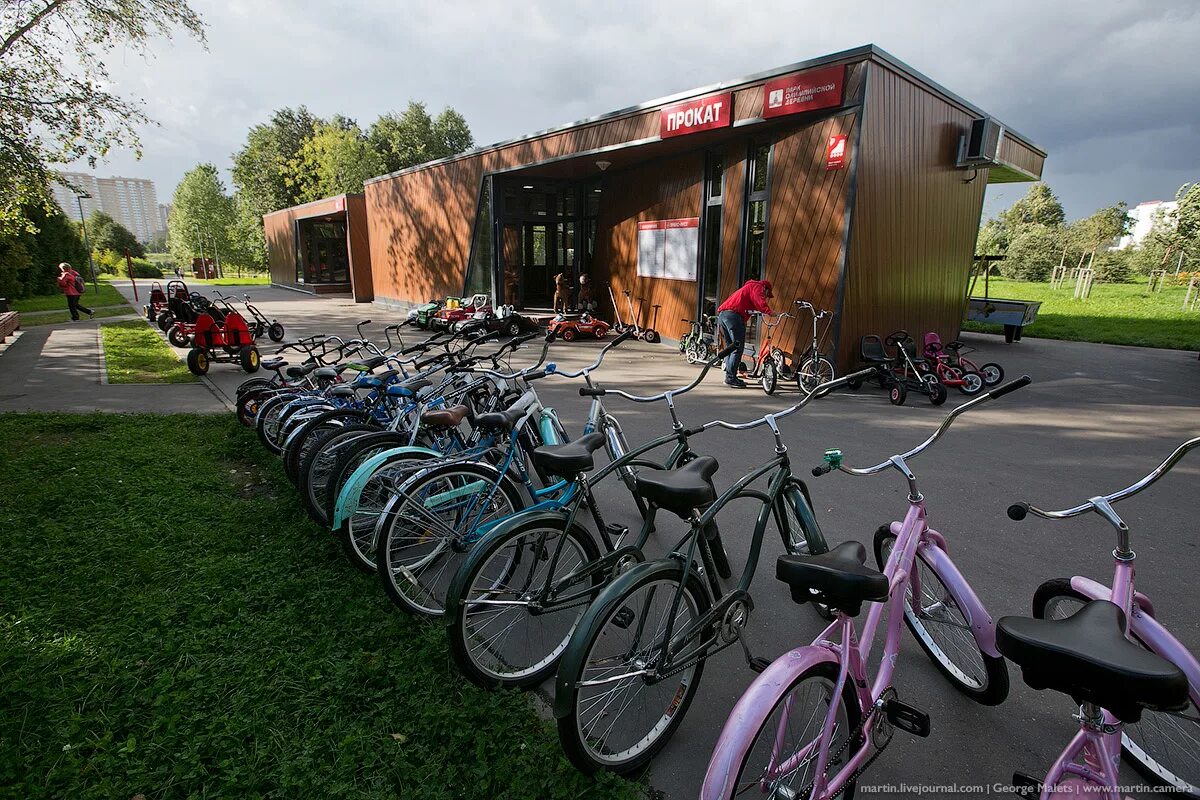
{"type": "Point", "coordinates": [769, 419]}
{"type": "Point", "coordinates": [589, 391]}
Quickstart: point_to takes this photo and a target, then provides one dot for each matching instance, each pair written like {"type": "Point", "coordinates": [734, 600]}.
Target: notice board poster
{"type": "Point", "coordinates": [669, 248]}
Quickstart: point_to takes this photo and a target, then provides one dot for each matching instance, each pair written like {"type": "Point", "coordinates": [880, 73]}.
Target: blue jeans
{"type": "Point", "coordinates": [734, 329]}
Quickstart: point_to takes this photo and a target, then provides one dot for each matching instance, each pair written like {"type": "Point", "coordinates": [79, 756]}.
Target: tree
{"type": "Point", "coordinates": [262, 167]}
{"type": "Point", "coordinates": [1039, 206]}
{"type": "Point", "coordinates": [413, 137]}
{"type": "Point", "coordinates": [105, 233]}
{"type": "Point", "coordinates": [29, 259]}
{"type": "Point", "coordinates": [1033, 253]}
{"type": "Point", "coordinates": [335, 160]}
{"type": "Point", "coordinates": [55, 100]}
{"type": "Point", "coordinates": [1187, 218]}
{"type": "Point", "coordinates": [202, 218]}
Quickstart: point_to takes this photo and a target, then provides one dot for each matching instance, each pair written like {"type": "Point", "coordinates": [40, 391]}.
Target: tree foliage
{"type": "Point", "coordinates": [29, 259]}
{"type": "Point", "coordinates": [335, 160]}
{"type": "Point", "coordinates": [414, 137]}
{"type": "Point", "coordinates": [105, 233]}
{"type": "Point", "coordinates": [57, 102]}
{"type": "Point", "coordinates": [1033, 253]}
{"type": "Point", "coordinates": [203, 220]}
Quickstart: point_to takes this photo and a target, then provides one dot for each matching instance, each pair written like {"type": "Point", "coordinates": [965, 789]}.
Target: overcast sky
{"type": "Point", "coordinates": [1107, 87]}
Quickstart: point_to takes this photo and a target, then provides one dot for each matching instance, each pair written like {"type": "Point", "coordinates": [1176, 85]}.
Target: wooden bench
{"type": "Point", "coordinates": [9, 322]}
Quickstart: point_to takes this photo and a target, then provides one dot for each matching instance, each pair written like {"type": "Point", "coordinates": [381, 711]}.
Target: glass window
{"type": "Point", "coordinates": [710, 267]}
{"type": "Point", "coordinates": [758, 165]}
{"type": "Point", "coordinates": [716, 178]}
{"type": "Point", "coordinates": [479, 265]}
{"type": "Point", "coordinates": [756, 240]}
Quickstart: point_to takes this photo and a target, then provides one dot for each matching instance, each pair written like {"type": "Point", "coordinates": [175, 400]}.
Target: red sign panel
{"type": "Point", "coordinates": [803, 91]}
{"type": "Point", "coordinates": [835, 152]}
{"type": "Point", "coordinates": [669, 224]}
{"type": "Point", "coordinates": [702, 114]}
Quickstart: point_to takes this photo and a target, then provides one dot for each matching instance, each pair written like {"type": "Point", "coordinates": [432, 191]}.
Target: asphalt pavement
{"type": "Point", "coordinates": [1095, 418]}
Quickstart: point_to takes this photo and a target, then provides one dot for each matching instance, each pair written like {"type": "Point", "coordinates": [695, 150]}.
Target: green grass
{"type": "Point", "coordinates": [53, 317]}
{"type": "Point", "coordinates": [174, 626]}
{"type": "Point", "coordinates": [1114, 314]}
{"type": "Point", "coordinates": [108, 296]}
{"type": "Point", "coordinates": [135, 353]}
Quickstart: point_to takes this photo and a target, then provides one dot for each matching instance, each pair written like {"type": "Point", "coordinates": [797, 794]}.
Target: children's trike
{"type": "Point", "coordinates": [902, 373]}
{"type": "Point", "coordinates": [227, 343]}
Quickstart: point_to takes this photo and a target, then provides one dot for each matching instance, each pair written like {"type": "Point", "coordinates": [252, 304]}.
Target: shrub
{"type": "Point", "coordinates": [145, 269]}
{"type": "Point", "coordinates": [1113, 267]}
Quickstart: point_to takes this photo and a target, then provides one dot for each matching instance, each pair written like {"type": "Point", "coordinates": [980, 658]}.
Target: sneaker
{"type": "Point", "coordinates": [91, 315]}
{"type": "Point", "coordinates": [737, 383]}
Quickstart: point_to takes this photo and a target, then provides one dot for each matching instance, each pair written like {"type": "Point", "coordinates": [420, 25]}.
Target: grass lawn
{"type": "Point", "coordinates": [135, 353]}
{"type": "Point", "coordinates": [1114, 314]}
{"type": "Point", "coordinates": [108, 296]}
{"type": "Point", "coordinates": [173, 625]}
{"type": "Point", "coordinates": [53, 317]}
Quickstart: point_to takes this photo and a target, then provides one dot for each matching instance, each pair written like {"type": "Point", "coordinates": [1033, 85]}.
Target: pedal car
{"type": "Point", "coordinates": [900, 373]}
{"type": "Point", "coordinates": [570, 327]}
{"type": "Point", "coordinates": [453, 312]}
{"type": "Point", "coordinates": [503, 320]}
{"type": "Point", "coordinates": [164, 317]}
{"type": "Point", "coordinates": [421, 315]}
{"type": "Point", "coordinates": [222, 343]}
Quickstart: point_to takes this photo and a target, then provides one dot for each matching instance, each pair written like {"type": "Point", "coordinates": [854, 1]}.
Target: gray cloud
{"type": "Point", "coordinates": [1107, 86]}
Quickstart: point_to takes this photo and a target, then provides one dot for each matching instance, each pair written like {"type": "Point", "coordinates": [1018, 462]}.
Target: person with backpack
{"type": "Point", "coordinates": [732, 317]}
{"type": "Point", "coordinates": [71, 282]}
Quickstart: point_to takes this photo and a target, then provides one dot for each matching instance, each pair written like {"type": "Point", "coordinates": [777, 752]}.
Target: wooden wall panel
{"type": "Point", "coordinates": [1022, 155]}
{"type": "Point", "coordinates": [359, 248]}
{"type": "Point", "coordinates": [915, 219]}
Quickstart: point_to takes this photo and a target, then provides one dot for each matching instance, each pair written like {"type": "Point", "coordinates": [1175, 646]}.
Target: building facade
{"type": "Point", "coordinates": [1143, 217]}
{"type": "Point", "coordinates": [321, 247]}
{"type": "Point", "coordinates": [133, 202]}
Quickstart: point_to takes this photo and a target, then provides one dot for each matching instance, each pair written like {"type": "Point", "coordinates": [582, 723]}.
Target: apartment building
{"type": "Point", "coordinates": [133, 202]}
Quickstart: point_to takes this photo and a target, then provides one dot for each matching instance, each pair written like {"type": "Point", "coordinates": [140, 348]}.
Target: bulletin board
{"type": "Point", "coordinates": [669, 248]}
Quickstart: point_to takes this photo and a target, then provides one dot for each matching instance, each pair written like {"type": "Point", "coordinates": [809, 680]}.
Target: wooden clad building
{"type": "Point", "coordinates": [321, 247]}
{"type": "Point", "coordinates": [851, 181]}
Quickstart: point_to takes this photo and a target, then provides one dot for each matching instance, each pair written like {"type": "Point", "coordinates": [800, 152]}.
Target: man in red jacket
{"type": "Point", "coordinates": [71, 282]}
{"type": "Point", "coordinates": [733, 315]}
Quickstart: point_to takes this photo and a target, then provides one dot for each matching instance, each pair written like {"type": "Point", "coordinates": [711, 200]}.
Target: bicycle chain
{"type": "Point", "coordinates": [862, 726]}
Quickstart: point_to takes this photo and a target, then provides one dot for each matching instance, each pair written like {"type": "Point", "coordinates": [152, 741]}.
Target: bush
{"type": "Point", "coordinates": [113, 263]}
{"type": "Point", "coordinates": [1033, 254]}
{"type": "Point", "coordinates": [1113, 267]}
{"type": "Point", "coordinates": [145, 269]}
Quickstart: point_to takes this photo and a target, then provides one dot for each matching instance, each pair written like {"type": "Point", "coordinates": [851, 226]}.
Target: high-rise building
{"type": "Point", "coordinates": [132, 202]}
{"type": "Point", "coordinates": [1143, 217]}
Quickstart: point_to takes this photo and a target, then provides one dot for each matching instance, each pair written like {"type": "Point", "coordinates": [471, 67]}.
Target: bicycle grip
{"type": "Point", "coordinates": [550, 336]}
{"type": "Point", "coordinates": [591, 391]}
{"type": "Point", "coordinates": [1011, 386]}
{"type": "Point", "coordinates": [533, 376]}
{"type": "Point", "coordinates": [365, 322]}
{"type": "Point", "coordinates": [824, 469]}
{"type": "Point", "coordinates": [1018, 511]}
{"type": "Point", "coordinates": [693, 431]}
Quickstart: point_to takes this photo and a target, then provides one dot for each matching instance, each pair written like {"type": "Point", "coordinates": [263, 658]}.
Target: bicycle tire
{"type": "Point", "coordinates": [1135, 745]}
{"type": "Point", "coordinates": [993, 683]}
{"type": "Point", "coordinates": [471, 656]}
{"type": "Point", "coordinates": [355, 531]}
{"type": "Point", "coordinates": [574, 663]}
{"type": "Point", "coordinates": [350, 458]}
{"type": "Point", "coordinates": [317, 465]}
{"type": "Point", "coordinates": [268, 416]}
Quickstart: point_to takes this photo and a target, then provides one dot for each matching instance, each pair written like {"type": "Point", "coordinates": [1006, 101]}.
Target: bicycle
{"type": "Point", "coordinates": [700, 342]}
{"type": "Point", "coordinates": [767, 362]}
{"type": "Point", "coordinates": [515, 600]}
{"type": "Point", "coordinates": [812, 366]}
{"type": "Point", "coordinates": [1138, 687]}
{"type": "Point", "coordinates": [642, 643]}
{"type": "Point", "coordinates": [816, 709]}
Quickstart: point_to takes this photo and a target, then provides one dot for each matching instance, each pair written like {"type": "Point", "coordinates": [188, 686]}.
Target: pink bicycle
{"type": "Point", "coordinates": [1137, 686]}
{"type": "Point", "coordinates": [814, 720]}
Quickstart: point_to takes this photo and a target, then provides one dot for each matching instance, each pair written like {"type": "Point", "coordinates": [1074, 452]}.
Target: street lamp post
{"type": "Point", "coordinates": [86, 243]}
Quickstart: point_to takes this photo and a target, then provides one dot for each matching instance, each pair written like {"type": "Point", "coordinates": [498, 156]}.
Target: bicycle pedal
{"type": "Point", "coordinates": [758, 664]}
{"type": "Point", "coordinates": [624, 617]}
{"type": "Point", "coordinates": [1026, 785]}
{"type": "Point", "coordinates": [907, 718]}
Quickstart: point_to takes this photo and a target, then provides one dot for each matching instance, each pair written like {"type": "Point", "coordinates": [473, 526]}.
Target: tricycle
{"type": "Point", "coordinates": [905, 371]}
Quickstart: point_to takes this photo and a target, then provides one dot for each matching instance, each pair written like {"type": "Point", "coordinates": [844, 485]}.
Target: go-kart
{"type": "Point", "coordinates": [444, 320]}
{"type": "Point", "coordinates": [570, 327]}
{"type": "Point", "coordinates": [164, 316]}
{"type": "Point", "coordinates": [902, 372]}
{"type": "Point", "coordinates": [503, 320]}
{"type": "Point", "coordinates": [226, 343]}
{"type": "Point", "coordinates": [421, 315]}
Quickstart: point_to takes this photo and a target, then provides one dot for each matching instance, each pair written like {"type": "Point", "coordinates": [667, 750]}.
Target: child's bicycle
{"type": "Point", "coordinates": [699, 344]}
{"type": "Point", "coordinates": [815, 719]}
{"type": "Point", "coordinates": [954, 371]}
{"type": "Point", "coordinates": [812, 366]}
{"type": "Point", "coordinates": [1137, 686]}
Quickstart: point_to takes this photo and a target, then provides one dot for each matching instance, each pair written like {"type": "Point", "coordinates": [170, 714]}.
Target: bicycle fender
{"type": "Point", "coordinates": [983, 627]}
{"type": "Point", "coordinates": [750, 714]}
{"type": "Point", "coordinates": [347, 502]}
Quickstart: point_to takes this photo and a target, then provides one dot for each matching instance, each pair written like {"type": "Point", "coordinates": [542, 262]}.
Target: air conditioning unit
{"type": "Point", "coordinates": [980, 146]}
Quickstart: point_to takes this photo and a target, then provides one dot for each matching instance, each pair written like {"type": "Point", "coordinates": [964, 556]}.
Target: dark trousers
{"type": "Point", "coordinates": [734, 329]}
{"type": "Point", "coordinates": [75, 306]}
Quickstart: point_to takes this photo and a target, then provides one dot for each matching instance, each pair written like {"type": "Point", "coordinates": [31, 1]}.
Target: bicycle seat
{"type": "Point", "coordinates": [870, 348]}
{"type": "Point", "coordinates": [343, 390]}
{"type": "Point", "coordinates": [373, 362]}
{"type": "Point", "coordinates": [565, 460]}
{"type": "Point", "coordinates": [680, 490]}
{"type": "Point", "coordinates": [300, 371]}
{"type": "Point", "coordinates": [500, 420]}
{"type": "Point", "coordinates": [408, 387]}
{"type": "Point", "coordinates": [273, 363]}
{"type": "Point", "coordinates": [1088, 657]}
{"type": "Point", "coordinates": [327, 373]}
{"type": "Point", "coordinates": [839, 578]}
{"type": "Point", "coordinates": [445, 417]}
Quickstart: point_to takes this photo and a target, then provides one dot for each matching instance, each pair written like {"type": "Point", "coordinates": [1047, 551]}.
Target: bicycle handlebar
{"type": "Point", "coordinates": [1011, 386]}
{"type": "Point", "coordinates": [1018, 511]}
{"type": "Point", "coordinates": [596, 391]}
{"type": "Point", "coordinates": [769, 419]}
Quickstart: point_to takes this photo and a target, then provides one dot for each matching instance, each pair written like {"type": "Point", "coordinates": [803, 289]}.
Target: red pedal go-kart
{"type": "Point", "coordinates": [573, 326]}
{"type": "Point", "coordinates": [444, 320]}
{"type": "Point", "coordinates": [229, 343]}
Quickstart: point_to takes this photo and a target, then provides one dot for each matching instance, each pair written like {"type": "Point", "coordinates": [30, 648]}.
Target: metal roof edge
{"type": "Point", "coordinates": [314, 202]}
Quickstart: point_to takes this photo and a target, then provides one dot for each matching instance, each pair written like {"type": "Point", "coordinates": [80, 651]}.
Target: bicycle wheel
{"type": "Point", "coordinates": [358, 533]}
{"type": "Point", "coordinates": [812, 372]}
{"type": "Point", "coordinates": [780, 760]}
{"type": "Point", "coordinates": [317, 466]}
{"type": "Point", "coordinates": [310, 434]}
{"type": "Point", "coordinates": [770, 377]}
{"type": "Point", "coordinates": [502, 629]}
{"type": "Point", "coordinates": [350, 457]}
{"type": "Point", "coordinates": [1163, 747]}
{"type": "Point", "coordinates": [613, 712]}
{"type": "Point", "coordinates": [992, 374]}
{"type": "Point", "coordinates": [425, 535]}
{"type": "Point", "coordinates": [266, 421]}
{"type": "Point", "coordinates": [942, 630]}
